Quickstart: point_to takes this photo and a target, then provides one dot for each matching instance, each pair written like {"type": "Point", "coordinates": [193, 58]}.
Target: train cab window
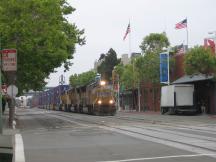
{"type": "Point", "coordinates": [103, 94]}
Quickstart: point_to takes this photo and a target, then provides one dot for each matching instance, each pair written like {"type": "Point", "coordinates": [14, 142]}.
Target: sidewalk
{"type": "Point", "coordinates": [6, 141]}
{"type": "Point", "coordinates": [141, 112]}
{"type": "Point", "coordinates": [213, 116]}
{"type": "Point", "coordinates": [156, 117]}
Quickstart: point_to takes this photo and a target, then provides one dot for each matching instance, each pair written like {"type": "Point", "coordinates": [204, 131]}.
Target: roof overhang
{"type": "Point", "coordinates": [193, 78]}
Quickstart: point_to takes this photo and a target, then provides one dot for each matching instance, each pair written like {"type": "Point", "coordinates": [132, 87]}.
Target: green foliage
{"type": "Point", "coordinates": [200, 60]}
{"type": "Point", "coordinates": [106, 67]}
{"type": "Point", "coordinates": [102, 56]}
{"type": "Point", "coordinates": [119, 69]}
{"type": "Point", "coordinates": [148, 67]}
{"type": "Point", "coordinates": [82, 79]}
{"type": "Point", "coordinates": [154, 43]}
{"type": "Point", "coordinates": [129, 77]}
{"type": "Point", "coordinates": [42, 36]}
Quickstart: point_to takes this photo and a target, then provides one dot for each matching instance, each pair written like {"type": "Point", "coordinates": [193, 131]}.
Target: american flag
{"type": "Point", "coordinates": [209, 43]}
{"type": "Point", "coordinates": [180, 49]}
{"type": "Point", "coordinates": [127, 31]}
{"type": "Point", "coordinates": [182, 24]}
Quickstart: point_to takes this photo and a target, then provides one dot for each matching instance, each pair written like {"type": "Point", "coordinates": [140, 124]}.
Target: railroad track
{"type": "Point", "coordinates": [152, 121]}
{"type": "Point", "coordinates": [139, 120]}
{"type": "Point", "coordinates": [189, 142]}
{"type": "Point", "coordinates": [154, 132]}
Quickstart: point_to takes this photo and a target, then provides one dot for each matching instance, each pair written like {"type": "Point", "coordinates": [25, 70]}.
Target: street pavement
{"type": "Point", "coordinates": [54, 136]}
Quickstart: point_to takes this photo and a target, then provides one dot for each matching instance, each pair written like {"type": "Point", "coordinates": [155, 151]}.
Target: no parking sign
{"type": "Point", "coordinates": [9, 60]}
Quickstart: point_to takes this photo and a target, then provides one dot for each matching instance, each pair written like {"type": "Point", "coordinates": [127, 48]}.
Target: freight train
{"type": "Point", "coordinates": [50, 98]}
{"type": "Point", "coordinates": [95, 98]}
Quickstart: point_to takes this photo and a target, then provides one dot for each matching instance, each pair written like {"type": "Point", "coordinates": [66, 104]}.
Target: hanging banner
{"type": "Point", "coordinates": [164, 78]}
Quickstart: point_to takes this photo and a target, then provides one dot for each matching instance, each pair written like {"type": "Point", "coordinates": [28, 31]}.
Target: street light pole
{"type": "Point", "coordinates": [168, 51]}
{"type": "Point", "coordinates": [139, 106]}
{"type": "Point", "coordinates": [1, 123]}
{"type": "Point", "coordinates": [119, 109]}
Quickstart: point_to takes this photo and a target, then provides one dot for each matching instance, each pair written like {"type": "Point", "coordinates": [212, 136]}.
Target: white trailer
{"type": "Point", "coordinates": [22, 101]}
{"type": "Point", "coordinates": [177, 98]}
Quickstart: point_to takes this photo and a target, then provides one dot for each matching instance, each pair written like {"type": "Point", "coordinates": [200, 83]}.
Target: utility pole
{"type": "Point", "coordinates": [139, 96]}
{"type": "Point", "coordinates": [1, 124]}
{"type": "Point", "coordinates": [9, 66]}
{"type": "Point", "coordinates": [118, 94]}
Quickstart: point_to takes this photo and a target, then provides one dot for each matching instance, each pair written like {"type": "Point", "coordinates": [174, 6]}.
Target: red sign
{"type": "Point", "coordinates": [4, 88]}
{"type": "Point", "coordinates": [9, 60]}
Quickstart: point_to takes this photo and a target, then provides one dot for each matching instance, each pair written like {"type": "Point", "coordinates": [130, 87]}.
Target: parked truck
{"type": "Point", "coordinates": [178, 98]}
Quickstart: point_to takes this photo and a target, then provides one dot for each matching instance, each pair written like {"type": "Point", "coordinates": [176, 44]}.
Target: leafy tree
{"type": "Point", "coordinates": [154, 43]}
{"type": "Point", "coordinates": [200, 60]}
{"type": "Point", "coordinates": [106, 67]}
{"type": "Point", "coordinates": [42, 36]}
{"type": "Point", "coordinates": [148, 65]}
{"type": "Point", "coordinates": [82, 79]}
{"type": "Point", "coordinates": [129, 77]}
{"type": "Point", "coordinates": [102, 56]}
{"type": "Point", "coordinates": [119, 69]}
{"type": "Point", "coordinates": [74, 80]}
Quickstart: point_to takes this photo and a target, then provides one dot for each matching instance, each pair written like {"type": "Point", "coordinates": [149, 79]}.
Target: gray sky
{"type": "Point", "coordinates": [105, 23]}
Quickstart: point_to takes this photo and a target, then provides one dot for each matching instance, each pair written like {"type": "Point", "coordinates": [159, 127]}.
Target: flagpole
{"type": "Point", "coordinates": [187, 37]}
{"type": "Point", "coordinates": [187, 32]}
{"type": "Point", "coordinates": [130, 39]}
{"type": "Point", "coordinates": [130, 55]}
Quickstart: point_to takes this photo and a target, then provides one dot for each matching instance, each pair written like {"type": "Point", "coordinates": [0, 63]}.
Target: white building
{"type": "Point", "coordinates": [125, 59]}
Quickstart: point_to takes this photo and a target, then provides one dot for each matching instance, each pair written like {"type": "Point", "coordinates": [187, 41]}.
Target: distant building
{"type": "Point", "coordinates": [135, 54]}
{"type": "Point", "coordinates": [125, 59]}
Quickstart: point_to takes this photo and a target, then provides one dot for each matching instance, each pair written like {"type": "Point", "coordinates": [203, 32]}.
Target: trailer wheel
{"type": "Point", "coordinates": [162, 111]}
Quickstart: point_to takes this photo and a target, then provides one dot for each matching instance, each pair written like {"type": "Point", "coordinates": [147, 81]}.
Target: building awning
{"type": "Point", "coordinates": [193, 78]}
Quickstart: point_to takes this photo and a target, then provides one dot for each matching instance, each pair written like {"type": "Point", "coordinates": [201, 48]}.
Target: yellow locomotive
{"type": "Point", "coordinates": [96, 98]}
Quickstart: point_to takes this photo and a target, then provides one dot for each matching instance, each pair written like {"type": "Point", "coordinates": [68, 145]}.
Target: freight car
{"type": "Point", "coordinates": [96, 98]}
{"type": "Point", "coordinates": [50, 99]}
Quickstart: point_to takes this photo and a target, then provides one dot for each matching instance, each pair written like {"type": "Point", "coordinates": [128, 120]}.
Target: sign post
{"type": "Point", "coordinates": [9, 65]}
{"type": "Point", "coordinates": [1, 123]}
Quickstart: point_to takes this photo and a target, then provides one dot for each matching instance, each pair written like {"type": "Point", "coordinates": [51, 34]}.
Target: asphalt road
{"type": "Point", "coordinates": [53, 136]}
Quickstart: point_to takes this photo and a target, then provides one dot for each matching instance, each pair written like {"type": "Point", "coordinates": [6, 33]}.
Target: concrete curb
{"type": "Point", "coordinates": [14, 140]}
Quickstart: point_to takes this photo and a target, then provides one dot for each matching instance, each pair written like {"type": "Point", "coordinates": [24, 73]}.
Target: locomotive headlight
{"type": "Point", "coordinates": [102, 82]}
{"type": "Point", "coordinates": [111, 101]}
{"type": "Point", "coordinates": [99, 102]}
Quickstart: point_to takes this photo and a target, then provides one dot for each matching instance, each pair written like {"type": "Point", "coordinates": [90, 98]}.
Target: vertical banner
{"type": "Point", "coordinates": [164, 76]}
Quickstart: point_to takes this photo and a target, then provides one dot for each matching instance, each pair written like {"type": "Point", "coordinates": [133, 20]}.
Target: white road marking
{"type": "Point", "coordinates": [160, 157]}
{"type": "Point", "coordinates": [19, 149]}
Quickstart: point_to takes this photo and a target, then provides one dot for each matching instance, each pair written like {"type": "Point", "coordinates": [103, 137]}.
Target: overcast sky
{"type": "Point", "coordinates": [105, 23]}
